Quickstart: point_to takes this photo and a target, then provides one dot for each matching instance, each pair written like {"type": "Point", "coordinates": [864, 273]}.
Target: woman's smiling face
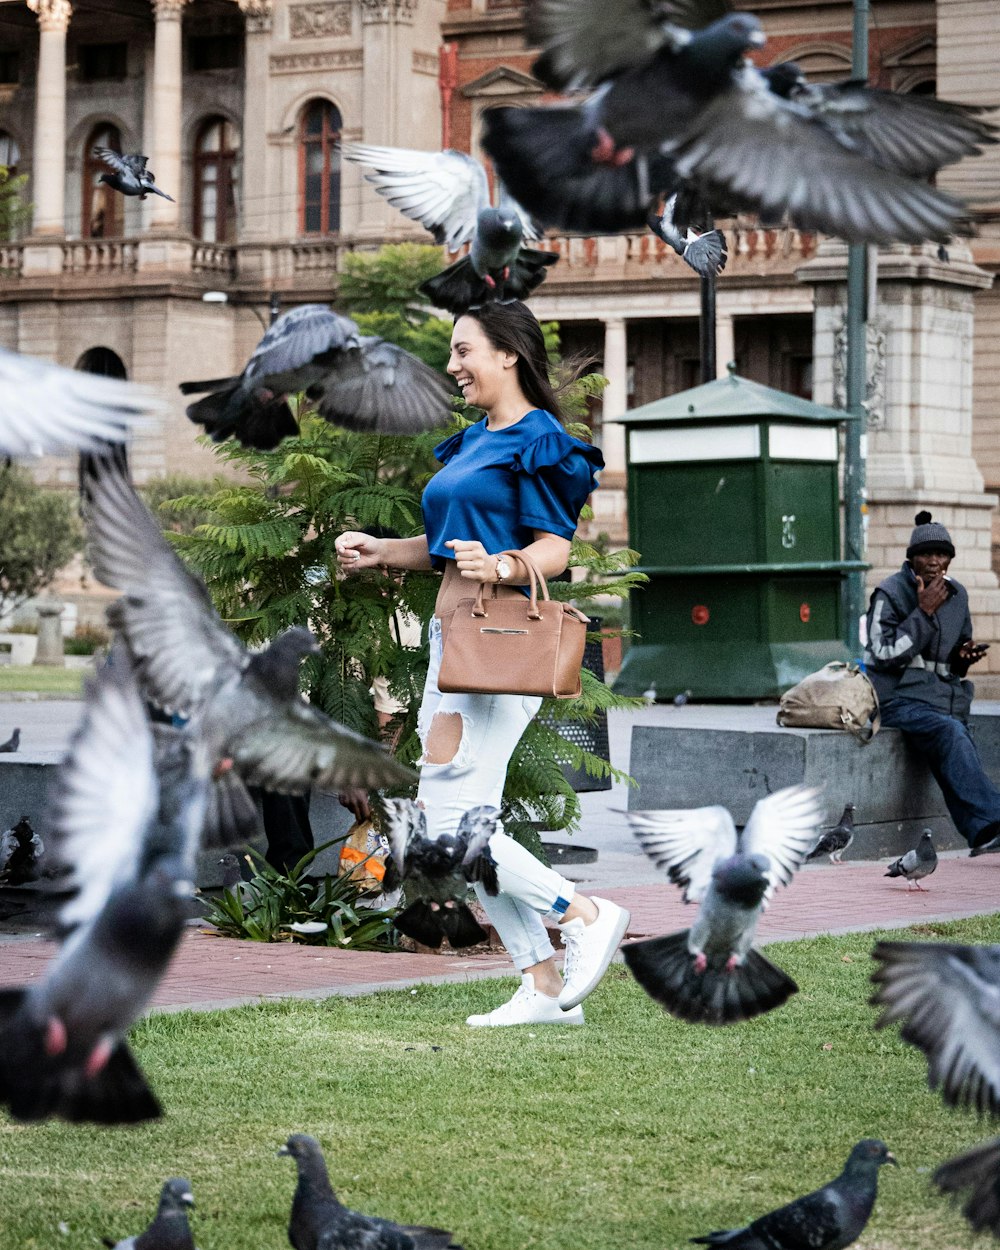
{"type": "Point", "coordinates": [479, 368]}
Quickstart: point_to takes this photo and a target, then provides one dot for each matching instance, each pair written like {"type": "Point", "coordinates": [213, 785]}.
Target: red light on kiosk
{"type": "Point", "coordinates": [700, 614]}
{"type": "Point", "coordinates": [804, 613]}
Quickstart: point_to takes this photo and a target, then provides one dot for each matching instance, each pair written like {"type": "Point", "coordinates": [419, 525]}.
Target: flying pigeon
{"type": "Point", "coordinates": [131, 177]}
{"type": "Point", "coordinates": [946, 997]}
{"type": "Point", "coordinates": [26, 848]}
{"type": "Point", "coordinates": [915, 864]}
{"type": "Point", "coordinates": [834, 842]}
{"type": "Point", "coordinates": [437, 872]}
{"type": "Point", "coordinates": [129, 837]}
{"type": "Point", "coordinates": [831, 1218]}
{"type": "Point", "coordinates": [358, 382]}
{"type": "Point", "coordinates": [705, 253]}
{"type": "Point", "coordinates": [12, 743]}
{"type": "Point", "coordinates": [245, 707]}
{"type": "Point", "coordinates": [319, 1222]}
{"type": "Point", "coordinates": [45, 409]}
{"type": "Point", "coordinates": [448, 193]}
{"type": "Point", "coordinates": [169, 1229]}
{"type": "Point", "coordinates": [977, 1170]}
{"type": "Point", "coordinates": [710, 973]}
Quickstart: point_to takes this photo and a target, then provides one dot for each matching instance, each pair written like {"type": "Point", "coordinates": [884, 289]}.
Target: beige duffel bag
{"type": "Point", "coordinates": [839, 696]}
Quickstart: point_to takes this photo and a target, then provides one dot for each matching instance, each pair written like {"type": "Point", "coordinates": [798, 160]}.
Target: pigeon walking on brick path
{"type": "Point", "coordinates": [834, 842]}
{"type": "Point", "coordinates": [978, 1171]}
{"type": "Point", "coordinates": [45, 409]}
{"type": "Point", "coordinates": [359, 382]}
{"type": "Point", "coordinates": [915, 864]}
{"type": "Point", "coordinates": [130, 177]}
{"type": "Point", "coordinates": [319, 1222]}
{"type": "Point", "coordinates": [710, 973]}
{"type": "Point", "coordinates": [169, 1229]}
{"type": "Point", "coordinates": [448, 193]}
{"type": "Point", "coordinates": [830, 1218]}
{"type": "Point", "coordinates": [13, 742]}
{"type": "Point", "coordinates": [946, 998]}
{"type": "Point", "coordinates": [437, 873]}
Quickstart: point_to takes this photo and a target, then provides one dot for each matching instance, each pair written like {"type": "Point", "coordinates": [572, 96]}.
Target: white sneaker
{"type": "Point", "coordinates": [589, 950]}
{"type": "Point", "coordinates": [528, 1006]}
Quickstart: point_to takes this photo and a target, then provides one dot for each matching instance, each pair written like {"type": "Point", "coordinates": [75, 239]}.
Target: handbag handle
{"type": "Point", "coordinates": [536, 581]}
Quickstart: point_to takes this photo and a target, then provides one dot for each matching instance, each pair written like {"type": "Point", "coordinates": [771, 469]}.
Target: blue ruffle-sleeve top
{"type": "Point", "coordinates": [498, 486]}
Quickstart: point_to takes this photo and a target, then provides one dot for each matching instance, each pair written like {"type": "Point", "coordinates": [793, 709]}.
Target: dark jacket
{"type": "Point", "coordinates": [913, 655]}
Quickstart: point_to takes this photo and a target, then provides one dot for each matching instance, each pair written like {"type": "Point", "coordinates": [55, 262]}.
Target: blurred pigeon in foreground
{"type": "Point", "coordinates": [705, 253]}
{"type": "Point", "coordinates": [710, 973]}
{"type": "Point", "coordinates": [129, 837]}
{"type": "Point", "coordinates": [26, 848]}
{"type": "Point", "coordinates": [448, 193]}
{"type": "Point", "coordinates": [246, 707]}
{"type": "Point", "coordinates": [130, 177]}
{"type": "Point", "coordinates": [831, 1218]}
{"type": "Point", "coordinates": [977, 1170]}
{"type": "Point", "coordinates": [946, 997]}
{"type": "Point", "coordinates": [319, 1222]}
{"type": "Point", "coordinates": [12, 743]}
{"type": "Point", "coordinates": [358, 382]}
{"type": "Point", "coordinates": [45, 409]}
{"type": "Point", "coordinates": [437, 872]}
{"type": "Point", "coordinates": [915, 864]}
{"type": "Point", "coordinates": [169, 1229]}
{"type": "Point", "coordinates": [834, 842]}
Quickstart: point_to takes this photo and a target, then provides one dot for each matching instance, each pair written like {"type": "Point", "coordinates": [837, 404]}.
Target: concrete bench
{"type": "Point", "coordinates": [680, 764]}
{"type": "Point", "coordinates": [20, 647]}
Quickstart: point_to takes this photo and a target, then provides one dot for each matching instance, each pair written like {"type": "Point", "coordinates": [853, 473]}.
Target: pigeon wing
{"type": "Point", "coordinates": [477, 826]}
{"type": "Point", "coordinates": [946, 997]}
{"type": "Point", "coordinates": [166, 616]}
{"type": "Point", "coordinates": [816, 1219]}
{"type": "Point", "coordinates": [783, 827]}
{"type": "Point", "coordinates": [768, 155]}
{"type": "Point", "coordinates": [296, 339]}
{"type": "Point", "coordinates": [45, 409]}
{"type": "Point", "coordinates": [686, 842]}
{"type": "Point", "coordinates": [116, 161]}
{"type": "Point", "coordinates": [300, 746]}
{"type": "Point", "coordinates": [136, 163]}
{"type": "Point", "coordinates": [381, 388]}
{"type": "Point", "coordinates": [978, 1171]}
{"type": "Point", "coordinates": [405, 826]}
{"type": "Point", "coordinates": [443, 191]}
{"type": "Point", "coordinates": [106, 792]}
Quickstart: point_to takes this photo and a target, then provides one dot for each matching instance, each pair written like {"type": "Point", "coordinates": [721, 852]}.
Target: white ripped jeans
{"type": "Point", "coordinates": [492, 725]}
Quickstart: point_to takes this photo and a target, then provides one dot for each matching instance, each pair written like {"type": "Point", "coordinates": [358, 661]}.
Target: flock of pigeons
{"type": "Point", "coordinates": [664, 121]}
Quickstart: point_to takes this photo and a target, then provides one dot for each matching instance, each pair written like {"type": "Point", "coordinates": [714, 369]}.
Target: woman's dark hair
{"type": "Point", "coordinates": [513, 328]}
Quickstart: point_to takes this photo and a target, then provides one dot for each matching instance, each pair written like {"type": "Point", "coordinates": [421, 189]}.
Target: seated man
{"type": "Point", "coordinates": [919, 649]}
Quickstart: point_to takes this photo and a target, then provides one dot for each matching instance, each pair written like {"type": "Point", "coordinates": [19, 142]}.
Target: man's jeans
{"type": "Point", "coordinates": [946, 745]}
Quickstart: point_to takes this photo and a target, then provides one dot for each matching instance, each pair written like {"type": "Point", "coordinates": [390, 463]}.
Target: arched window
{"type": "Point", "coordinates": [319, 168]}
{"type": "Point", "coordinates": [103, 208]}
{"type": "Point", "coordinates": [10, 153]}
{"type": "Point", "coordinates": [108, 364]}
{"type": "Point", "coordinates": [216, 152]}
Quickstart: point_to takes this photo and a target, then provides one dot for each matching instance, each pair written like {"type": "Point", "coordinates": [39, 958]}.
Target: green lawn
{"type": "Point", "coordinates": [56, 681]}
{"type": "Point", "coordinates": [636, 1131]}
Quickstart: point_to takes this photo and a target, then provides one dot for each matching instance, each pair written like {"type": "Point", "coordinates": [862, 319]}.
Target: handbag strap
{"type": "Point", "coordinates": [536, 582]}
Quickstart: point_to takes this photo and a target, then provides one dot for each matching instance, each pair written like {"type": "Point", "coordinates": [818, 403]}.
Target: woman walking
{"type": "Point", "coordinates": [515, 480]}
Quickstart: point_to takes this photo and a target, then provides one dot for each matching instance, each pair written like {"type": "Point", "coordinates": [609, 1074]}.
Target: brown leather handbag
{"type": "Point", "coordinates": [514, 645]}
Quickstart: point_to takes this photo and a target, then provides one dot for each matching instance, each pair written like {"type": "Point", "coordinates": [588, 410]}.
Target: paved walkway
{"type": "Point", "coordinates": [211, 972]}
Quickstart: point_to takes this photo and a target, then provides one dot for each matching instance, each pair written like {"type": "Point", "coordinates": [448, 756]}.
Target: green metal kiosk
{"type": "Point", "coordinates": [733, 502]}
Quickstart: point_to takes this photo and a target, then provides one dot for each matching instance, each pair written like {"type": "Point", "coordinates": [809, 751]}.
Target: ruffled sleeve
{"type": "Point", "coordinates": [556, 473]}
{"type": "Point", "coordinates": [450, 447]}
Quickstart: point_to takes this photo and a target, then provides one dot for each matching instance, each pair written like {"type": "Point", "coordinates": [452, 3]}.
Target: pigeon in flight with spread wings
{"type": "Point", "coordinates": [360, 382]}
{"type": "Point", "coordinates": [130, 177]}
{"type": "Point", "coordinates": [978, 1171]}
{"type": "Point", "coordinates": [448, 193]}
{"type": "Point", "coordinates": [45, 409]}
{"type": "Point", "coordinates": [246, 706]}
{"type": "Point", "coordinates": [710, 973]}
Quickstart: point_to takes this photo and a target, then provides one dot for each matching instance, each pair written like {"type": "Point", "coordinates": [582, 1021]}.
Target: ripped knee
{"type": "Point", "coordinates": [445, 741]}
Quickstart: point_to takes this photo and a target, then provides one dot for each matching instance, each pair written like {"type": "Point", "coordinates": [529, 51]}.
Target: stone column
{"type": "Point", "coordinates": [165, 157]}
{"type": "Point", "coordinates": [48, 174]}
{"type": "Point", "coordinates": [254, 222]}
{"type": "Point", "coordinates": [387, 44]}
{"type": "Point", "coordinates": [609, 502]}
{"type": "Point", "coordinates": [50, 639]}
{"type": "Point", "coordinates": [725, 343]}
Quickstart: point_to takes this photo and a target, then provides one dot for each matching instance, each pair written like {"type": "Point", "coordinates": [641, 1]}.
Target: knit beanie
{"type": "Point", "coordinates": [929, 536]}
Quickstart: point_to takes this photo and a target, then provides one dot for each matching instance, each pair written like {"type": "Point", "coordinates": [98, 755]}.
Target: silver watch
{"type": "Point", "coordinates": [503, 569]}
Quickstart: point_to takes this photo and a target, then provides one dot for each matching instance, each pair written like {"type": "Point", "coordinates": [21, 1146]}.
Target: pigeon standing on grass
{"type": "Point", "coordinates": [130, 177]}
{"type": "Point", "coordinates": [831, 1218]}
{"type": "Point", "coordinates": [170, 1229]}
{"type": "Point", "coordinates": [834, 842]}
{"type": "Point", "coordinates": [319, 1222]}
{"type": "Point", "coordinates": [12, 744]}
{"type": "Point", "coordinates": [437, 872]}
{"type": "Point", "coordinates": [359, 382]}
{"type": "Point", "coordinates": [915, 864]}
{"type": "Point", "coordinates": [710, 973]}
{"type": "Point", "coordinates": [946, 998]}
{"type": "Point", "coordinates": [978, 1171]}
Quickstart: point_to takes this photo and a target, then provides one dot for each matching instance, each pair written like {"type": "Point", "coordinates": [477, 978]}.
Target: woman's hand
{"type": "Point", "coordinates": [474, 562]}
{"type": "Point", "coordinates": [356, 551]}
